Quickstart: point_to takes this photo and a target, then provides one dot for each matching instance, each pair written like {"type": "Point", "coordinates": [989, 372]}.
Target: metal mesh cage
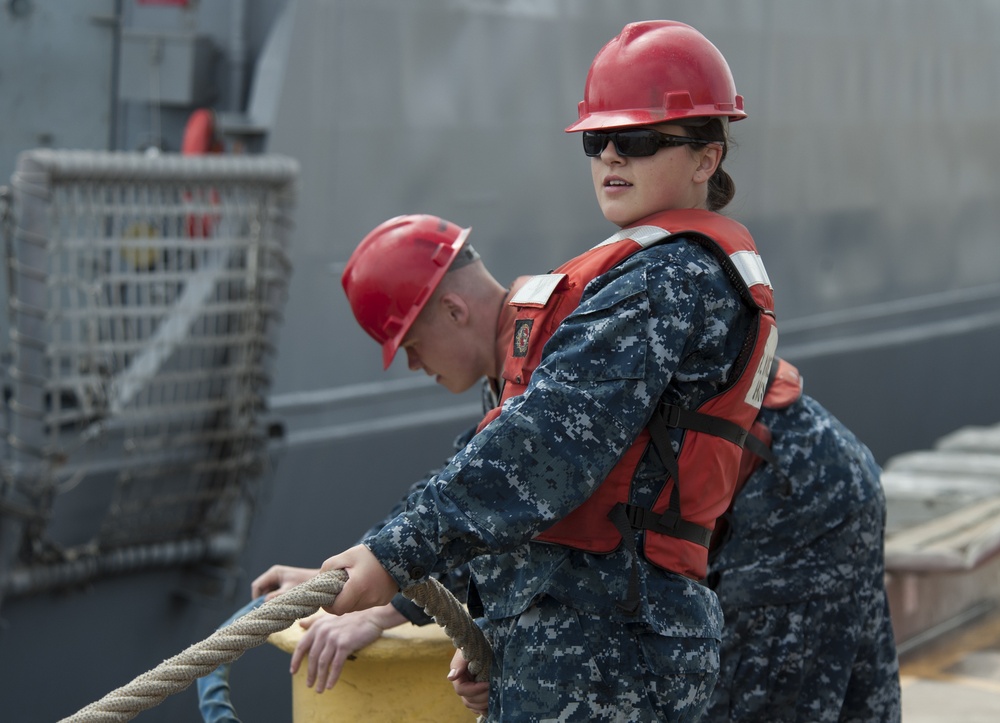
{"type": "Point", "coordinates": [144, 294]}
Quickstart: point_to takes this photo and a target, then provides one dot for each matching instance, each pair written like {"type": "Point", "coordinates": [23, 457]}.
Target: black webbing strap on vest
{"type": "Point", "coordinates": [620, 520]}
{"type": "Point", "coordinates": [670, 416]}
{"type": "Point", "coordinates": [758, 447]}
{"type": "Point", "coordinates": [629, 519]}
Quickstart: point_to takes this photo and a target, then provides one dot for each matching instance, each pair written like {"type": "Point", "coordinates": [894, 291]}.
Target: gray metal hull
{"type": "Point", "coordinates": [866, 171]}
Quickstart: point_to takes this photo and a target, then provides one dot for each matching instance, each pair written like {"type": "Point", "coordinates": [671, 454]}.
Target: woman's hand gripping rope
{"type": "Point", "coordinates": [369, 585]}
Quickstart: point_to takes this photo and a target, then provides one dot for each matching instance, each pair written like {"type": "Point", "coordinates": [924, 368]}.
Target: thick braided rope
{"type": "Point", "coordinates": [449, 613]}
{"type": "Point", "coordinates": [223, 646]}
{"type": "Point", "coordinates": [226, 644]}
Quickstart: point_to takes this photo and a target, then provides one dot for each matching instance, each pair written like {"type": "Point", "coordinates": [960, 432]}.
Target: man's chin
{"type": "Point", "coordinates": [452, 386]}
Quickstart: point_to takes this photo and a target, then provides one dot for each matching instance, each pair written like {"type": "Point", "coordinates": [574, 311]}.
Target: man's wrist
{"type": "Point", "coordinates": [385, 616]}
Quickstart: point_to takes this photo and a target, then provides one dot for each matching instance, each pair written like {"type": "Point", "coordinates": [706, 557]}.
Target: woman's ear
{"type": "Point", "coordinates": [709, 160]}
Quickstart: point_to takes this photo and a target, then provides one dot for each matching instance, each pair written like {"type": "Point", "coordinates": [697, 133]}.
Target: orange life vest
{"type": "Point", "coordinates": [711, 446]}
{"type": "Point", "coordinates": [784, 387]}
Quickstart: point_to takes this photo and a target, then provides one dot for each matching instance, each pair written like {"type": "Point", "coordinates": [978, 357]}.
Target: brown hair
{"type": "Point", "coordinates": [721, 187]}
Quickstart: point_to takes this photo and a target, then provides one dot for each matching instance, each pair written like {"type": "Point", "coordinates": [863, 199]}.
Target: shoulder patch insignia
{"type": "Point", "coordinates": [522, 333]}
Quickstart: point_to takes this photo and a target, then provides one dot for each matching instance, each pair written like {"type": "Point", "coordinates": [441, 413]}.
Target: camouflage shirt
{"type": "Point", "coordinates": [811, 529]}
{"type": "Point", "coordinates": [665, 323]}
{"type": "Point", "coordinates": [456, 580]}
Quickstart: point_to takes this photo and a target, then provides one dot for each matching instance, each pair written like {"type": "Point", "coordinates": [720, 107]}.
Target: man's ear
{"type": "Point", "coordinates": [455, 307]}
{"type": "Point", "coordinates": [710, 158]}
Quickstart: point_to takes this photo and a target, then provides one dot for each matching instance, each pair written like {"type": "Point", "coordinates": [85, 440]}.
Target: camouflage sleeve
{"type": "Point", "coordinates": [457, 580]}
{"type": "Point", "coordinates": [602, 373]}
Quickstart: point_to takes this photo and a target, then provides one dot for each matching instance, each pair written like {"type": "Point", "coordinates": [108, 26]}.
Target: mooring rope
{"type": "Point", "coordinates": [226, 644]}
{"type": "Point", "coordinates": [451, 615]}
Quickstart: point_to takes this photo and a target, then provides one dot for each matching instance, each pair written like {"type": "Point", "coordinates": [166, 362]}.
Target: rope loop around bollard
{"type": "Point", "coordinates": [252, 629]}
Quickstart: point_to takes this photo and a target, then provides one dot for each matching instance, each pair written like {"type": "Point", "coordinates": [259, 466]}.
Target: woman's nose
{"type": "Point", "coordinates": [610, 153]}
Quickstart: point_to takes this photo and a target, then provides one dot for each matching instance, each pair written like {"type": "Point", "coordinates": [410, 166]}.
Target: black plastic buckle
{"type": "Point", "coordinates": [640, 518]}
{"type": "Point", "coordinates": [636, 516]}
{"type": "Point", "coordinates": [671, 415]}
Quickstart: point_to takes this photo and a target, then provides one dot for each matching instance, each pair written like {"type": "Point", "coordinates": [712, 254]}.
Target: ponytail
{"type": "Point", "coordinates": [721, 187]}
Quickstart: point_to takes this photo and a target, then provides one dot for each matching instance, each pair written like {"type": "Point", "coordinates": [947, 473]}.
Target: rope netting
{"type": "Point", "coordinates": [143, 299]}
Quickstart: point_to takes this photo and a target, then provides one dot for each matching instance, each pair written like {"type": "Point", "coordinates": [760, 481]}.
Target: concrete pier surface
{"type": "Point", "coordinates": [956, 677]}
{"type": "Point", "coordinates": [943, 572]}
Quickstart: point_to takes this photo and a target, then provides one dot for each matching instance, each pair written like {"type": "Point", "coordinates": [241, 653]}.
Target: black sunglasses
{"type": "Point", "coordinates": [635, 142]}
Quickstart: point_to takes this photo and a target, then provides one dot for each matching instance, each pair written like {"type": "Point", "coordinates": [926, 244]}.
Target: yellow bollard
{"type": "Point", "coordinates": [400, 677]}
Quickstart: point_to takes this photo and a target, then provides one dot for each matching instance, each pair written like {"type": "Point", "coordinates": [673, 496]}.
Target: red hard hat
{"type": "Point", "coordinates": [393, 272]}
{"type": "Point", "coordinates": [653, 72]}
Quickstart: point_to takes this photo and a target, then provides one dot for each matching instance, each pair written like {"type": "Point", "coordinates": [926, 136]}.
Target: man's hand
{"type": "Point", "coordinates": [331, 639]}
{"type": "Point", "coordinates": [280, 578]}
{"type": "Point", "coordinates": [475, 696]}
{"type": "Point", "coordinates": [368, 584]}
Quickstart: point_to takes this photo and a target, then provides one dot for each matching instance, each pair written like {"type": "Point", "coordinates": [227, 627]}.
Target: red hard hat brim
{"type": "Point", "coordinates": [639, 117]}
{"type": "Point", "coordinates": [389, 350]}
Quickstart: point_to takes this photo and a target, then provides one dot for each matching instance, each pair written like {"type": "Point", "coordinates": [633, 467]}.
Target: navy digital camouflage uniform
{"type": "Point", "coordinates": [457, 580]}
{"type": "Point", "coordinates": [664, 324]}
{"type": "Point", "coordinates": [801, 581]}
